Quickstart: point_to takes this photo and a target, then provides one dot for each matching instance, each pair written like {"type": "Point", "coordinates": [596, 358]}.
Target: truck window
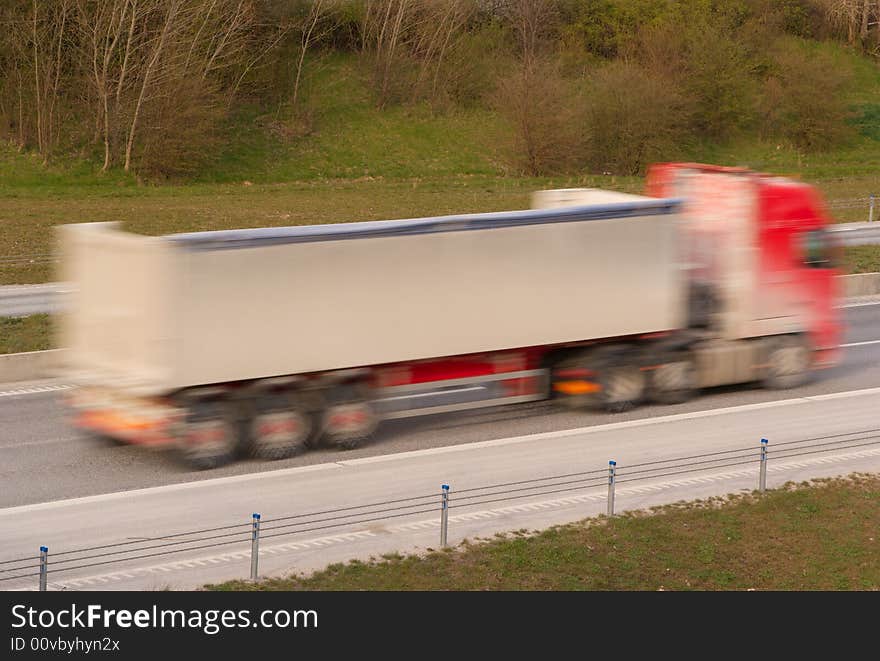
{"type": "Point", "coordinates": [818, 249]}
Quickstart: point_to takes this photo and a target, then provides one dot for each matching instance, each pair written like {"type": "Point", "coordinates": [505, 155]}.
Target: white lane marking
{"type": "Point", "coordinates": [467, 447]}
{"type": "Point", "coordinates": [859, 344]}
{"type": "Point", "coordinates": [859, 305]}
{"type": "Point", "coordinates": [50, 441]}
{"type": "Point", "coordinates": [33, 390]}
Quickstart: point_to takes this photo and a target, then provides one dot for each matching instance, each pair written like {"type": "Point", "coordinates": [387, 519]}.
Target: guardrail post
{"type": "Point", "coordinates": [762, 481]}
{"type": "Point", "coordinates": [44, 567]}
{"type": "Point", "coordinates": [871, 209]}
{"type": "Point", "coordinates": [612, 471]}
{"type": "Point", "coordinates": [255, 545]}
{"type": "Point", "coordinates": [444, 514]}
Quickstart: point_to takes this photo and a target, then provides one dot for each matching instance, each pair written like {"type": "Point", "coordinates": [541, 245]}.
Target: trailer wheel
{"type": "Point", "coordinates": [349, 419]}
{"type": "Point", "coordinates": [674, 381]}
{"type": "Point", "coordinates": [209, 437]}
{"type": "Point", "coordinates": [788, 363]}
{"type": "Point", "coordinates": [281, 428]}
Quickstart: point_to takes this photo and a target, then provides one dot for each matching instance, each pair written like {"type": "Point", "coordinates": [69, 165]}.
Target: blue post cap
{"type": "Point", "coordinates": [44, 549]}
{"type": "Point", "coordinates": [764, 440]}
{"type": "Point", "coordinates": [256, 516]}
{"type": "Point", "coordinates": [445, 487]}
{"type": "Point", "coordinates": [612, 463]}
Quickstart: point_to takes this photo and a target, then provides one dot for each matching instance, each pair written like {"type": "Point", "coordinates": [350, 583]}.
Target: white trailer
{"type": "Point", "coordinates": [269, 341]}
{"type": "Point", "coordinates": [158, 314]}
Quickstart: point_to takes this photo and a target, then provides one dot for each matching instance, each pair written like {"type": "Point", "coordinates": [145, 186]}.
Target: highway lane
{"type": "Point", "coordinates": [42, 459]}
{"type": "Point", "coordinates": [147, 515]}
{"type": "Point", "coordinates": [23, 300]}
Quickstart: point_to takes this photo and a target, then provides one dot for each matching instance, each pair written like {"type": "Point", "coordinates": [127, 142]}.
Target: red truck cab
{"type": "Point", "coordinates": [784, 276]}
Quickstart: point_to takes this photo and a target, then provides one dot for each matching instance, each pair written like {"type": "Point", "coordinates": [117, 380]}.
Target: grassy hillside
{"type": "Point", "coordinates": [821, 535]}
{"type": "Point", "coordinates": [357, 162]}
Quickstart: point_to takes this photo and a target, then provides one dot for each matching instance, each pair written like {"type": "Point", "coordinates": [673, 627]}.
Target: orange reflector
{"type": "Point", "coordinates": [576, 387]}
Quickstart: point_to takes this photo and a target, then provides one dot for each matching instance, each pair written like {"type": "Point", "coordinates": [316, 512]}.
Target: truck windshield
{"type": "Point", "coordinates": [819, 249]}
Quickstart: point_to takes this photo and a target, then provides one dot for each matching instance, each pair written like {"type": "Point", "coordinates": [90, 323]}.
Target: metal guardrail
{"type": "Point", "coordinates": [24, 300]}
{"type": "Point", "coordinates": [856, 234]}
{"type": "Point", "coordinates": [259, 529]}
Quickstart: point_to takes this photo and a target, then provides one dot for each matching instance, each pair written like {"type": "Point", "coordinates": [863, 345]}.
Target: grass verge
{"type": "Point", "coordinates": [819, 535]}
{"type": "Point", "coordinates": [33, 333]}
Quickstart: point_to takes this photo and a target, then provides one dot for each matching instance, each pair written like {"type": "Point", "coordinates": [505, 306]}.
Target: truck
{"type": "Point", "coordinates": [268, 342]}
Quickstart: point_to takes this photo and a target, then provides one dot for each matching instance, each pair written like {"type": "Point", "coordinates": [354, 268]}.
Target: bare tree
{"type": "Point", "coordinates": [532, 21]}
{"type": "Point", "coordinates": [386, 24]}
{"type": "Point", "coordinates": [854, 18]}
{"type": "Point", "coordinates": [35, 54]}
{"type": "Point", "coordinates": [438, 32]}
{"type": "Point", "coordinates": [308, 35]}
{"type": "Point", "coordinates": [158, 48]}
{"type": "Point", "coordinates": [534, 95]}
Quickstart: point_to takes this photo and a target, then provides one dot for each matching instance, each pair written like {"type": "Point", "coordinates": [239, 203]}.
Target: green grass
{"type": "Point", "coordinates": [862, 259]}
{"type": "Point", "coordinates": [821, 535]}
{"type": "Point", "coordinates": [339, 133]}
{"type": "Point", "coordinates": [33, 333]}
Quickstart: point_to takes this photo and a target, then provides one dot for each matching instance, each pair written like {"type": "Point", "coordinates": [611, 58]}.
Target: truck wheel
{"type": "Point", "coordinates": [574, 383]}
{"type": "Point", "coordinates": [600, 379]}
{"type": "Point", "coordinates": [787, 364]}
{"type": "Point", "coordinates": [348, 420]}
{"type": "Point", "coordinates": [674, 381]}
{"type": "Point", "coordinates": [278, 431]}
{"type": "Point", "coordinates": [209, 437]}
{"type": "Point", "coordinates": [103, 439]}
{"type": "Point", "coordinates": [623, 387]}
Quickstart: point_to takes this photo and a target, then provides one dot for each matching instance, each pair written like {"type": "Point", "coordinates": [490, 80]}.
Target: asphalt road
{"type": "Point", "coordinates": [67, 491]}
{"type": "Point", "coordinates": [43, 459]}
{"type": "Point", "coordinates": [144, 519]}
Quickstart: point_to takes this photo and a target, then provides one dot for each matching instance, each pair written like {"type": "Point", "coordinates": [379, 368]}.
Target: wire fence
{"type": "Point", "coordinates": [69, 560]}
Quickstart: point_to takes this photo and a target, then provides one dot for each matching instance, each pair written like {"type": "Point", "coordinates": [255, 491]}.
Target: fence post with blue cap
{"type": "Point", "coordinates": [612, 471]}
{"type": "Point", "coordinates": [44, 567]}
{"type": "Point", "coordinates": [762, 481]}
{"type": "Point", "coordinates": [444, 513]}
{"type": "Point", "coordinates": [255, 545]}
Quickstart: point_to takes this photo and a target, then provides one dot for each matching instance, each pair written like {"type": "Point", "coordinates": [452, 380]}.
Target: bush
{"type": "Point", "coordinates": [804, 98]}
{"type": "Point", "coordinates": [633, 119]}
{"type": "Point", "coordinates": [546, 128]}
{"type": "Point", "coordinates": [184, 131]}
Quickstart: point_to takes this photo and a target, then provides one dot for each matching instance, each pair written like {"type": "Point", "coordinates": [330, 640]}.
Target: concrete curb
{"type": "Point", "coordinates": [34, 365]}
{"type": "Point", "coordinates": [30, 365]}
{"type": "Point", "coordinates": [861, 284]}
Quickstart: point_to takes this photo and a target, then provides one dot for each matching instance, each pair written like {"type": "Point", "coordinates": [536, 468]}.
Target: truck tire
{"type": "Point", "coordinates": [674, 380]}
{"type": "Point", "coordinates": [280, 428]}
{"type": "Point", "coordinates": [787, 364]}
{"type": "Point", "coordinates": [209, 438]}
{"type": "Point", "coordinates": [623, 387]}
{"type": "Point", "coordinates": [348, 420]}
{"type": "Point", "coordinates": [103, 439]}
{"type": "Point", "coordinates": [620, 384]}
